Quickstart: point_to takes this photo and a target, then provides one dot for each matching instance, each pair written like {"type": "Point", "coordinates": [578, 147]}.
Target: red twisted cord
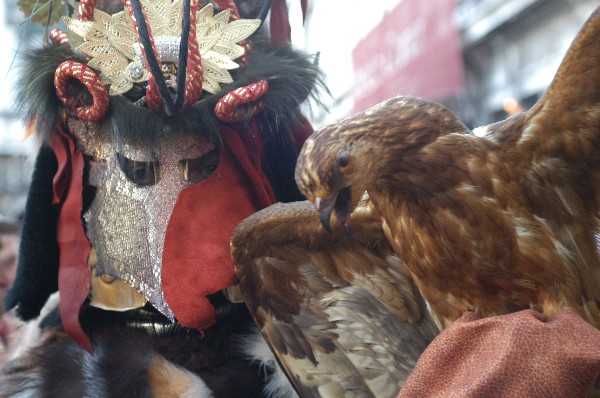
{"type": "Point", "coordinates": [195, 72]}
{"type": "Point", "coordinates": [86, 10]}
{"type": "Point", "coordinates": [58, 36]}
{"type": "Point", "coordinates": [74, 70]}
{"type": "Point", "coordinates": [153, 98]}
{"type": "Point", "coordinates": [227, 108]}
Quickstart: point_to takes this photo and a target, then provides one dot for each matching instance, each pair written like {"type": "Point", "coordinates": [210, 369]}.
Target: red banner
{"type": "Point", "coordinates": [415, 50]}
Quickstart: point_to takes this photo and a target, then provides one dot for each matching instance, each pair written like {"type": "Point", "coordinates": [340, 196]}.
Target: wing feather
{"type": "Point", "coordinates": [341, 313]}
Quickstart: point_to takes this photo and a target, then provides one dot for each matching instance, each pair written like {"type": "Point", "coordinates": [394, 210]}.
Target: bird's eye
{"type": "Point", "coordinates": [344, 160]}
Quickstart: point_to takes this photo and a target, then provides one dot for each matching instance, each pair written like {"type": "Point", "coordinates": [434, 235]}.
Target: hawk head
{"type": "Point", "coordinates": [340, 162]}
{"type": "Point", "coordinates": [324, 174]}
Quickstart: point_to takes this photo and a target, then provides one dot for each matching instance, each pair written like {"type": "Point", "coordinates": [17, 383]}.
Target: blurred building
{"type": "Point", "coordinates": [507, 49]}
{"type": "Point", "coordinates": [414, 50]}
{"type": "Point", "coordinates": [511, 49]}
{"type": "Point", "coordinates": [15, 153]}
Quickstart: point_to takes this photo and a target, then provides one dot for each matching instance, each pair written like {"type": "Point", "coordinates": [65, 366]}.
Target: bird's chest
{"type": "Point", "coordinates": [449, 241]}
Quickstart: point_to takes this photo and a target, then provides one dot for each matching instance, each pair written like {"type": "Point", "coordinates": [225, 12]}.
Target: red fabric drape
{"type": "Point", "coordinates": [281, 31]}
{"type": "Point", "coordinates": [74, 273]}
{"type": "Point", "coordinates": [196, 256]}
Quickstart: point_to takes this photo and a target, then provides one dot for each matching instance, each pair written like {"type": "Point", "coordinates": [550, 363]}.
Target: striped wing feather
{"type": "Point", "coordinates": [340, 311]}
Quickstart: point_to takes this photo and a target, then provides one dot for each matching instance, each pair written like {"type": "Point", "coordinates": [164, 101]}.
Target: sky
{"type": "Point", "coordinates": [334, 29]}
{"type": "Point", "coordinates": [10, 132]}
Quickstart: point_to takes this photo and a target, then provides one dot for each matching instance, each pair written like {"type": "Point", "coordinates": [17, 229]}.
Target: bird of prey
{"type": "Point", "coordinates": [492, 222]}
{"type": "Point", "coordinates": [428, 220]}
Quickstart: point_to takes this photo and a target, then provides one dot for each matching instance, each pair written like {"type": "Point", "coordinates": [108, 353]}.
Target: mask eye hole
{"type": "Point", "coordinates": [198, 169]}
{"type": "Point", "coordinates": [143, 173]}
{"type": "Point", "coordinates": [344, 160]}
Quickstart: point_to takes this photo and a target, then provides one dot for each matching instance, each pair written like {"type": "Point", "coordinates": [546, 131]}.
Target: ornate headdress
{"type": "Point", "coordinates": [166, 124]}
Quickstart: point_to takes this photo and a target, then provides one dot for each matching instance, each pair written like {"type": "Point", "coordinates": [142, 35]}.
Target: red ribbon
{"type": "Point", "coordinates": [196, 257]}
{"type": "Point", "coordinates": [74, 273]}
{"type": "Point", "coordinates": [281, 32]}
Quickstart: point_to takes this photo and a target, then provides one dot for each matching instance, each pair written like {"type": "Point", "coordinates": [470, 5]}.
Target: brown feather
{"type": "Point", "coordinates": [496, 223]}
{"type": "Point", "coordinates": [340, 312]}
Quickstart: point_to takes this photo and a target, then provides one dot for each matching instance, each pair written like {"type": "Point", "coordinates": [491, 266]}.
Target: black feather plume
{"type": "Point", "coordinates": [36, 96]}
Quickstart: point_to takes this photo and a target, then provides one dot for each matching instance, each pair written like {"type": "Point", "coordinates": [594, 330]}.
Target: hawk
{"type": "Point", "coordinates": [492, 222]}
{"type": "Point", "coordinates": [420, 219]}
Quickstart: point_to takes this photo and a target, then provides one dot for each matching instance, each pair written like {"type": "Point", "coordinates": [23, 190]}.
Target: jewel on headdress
{"type": "Point", "coordinates": [136, 72]}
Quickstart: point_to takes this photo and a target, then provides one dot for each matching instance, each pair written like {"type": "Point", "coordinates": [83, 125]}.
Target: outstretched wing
{"type": "Point", "coordinates": [557, 147]}
{"type": "Point", "coordinates": [340, 312]}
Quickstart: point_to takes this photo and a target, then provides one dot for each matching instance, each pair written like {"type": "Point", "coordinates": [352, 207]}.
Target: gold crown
{"type": "Point", "coordinates": [112, 44]}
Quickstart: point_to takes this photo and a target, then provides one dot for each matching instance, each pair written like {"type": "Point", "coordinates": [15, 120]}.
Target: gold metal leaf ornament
{"type": "Point", "coordinates": [112, 45]}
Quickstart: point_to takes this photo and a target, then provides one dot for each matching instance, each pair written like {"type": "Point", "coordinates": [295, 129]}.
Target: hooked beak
{"type": "Point", "coordinates": [339, 204]}
{"type": "Point", "coordinates": [325, 207]}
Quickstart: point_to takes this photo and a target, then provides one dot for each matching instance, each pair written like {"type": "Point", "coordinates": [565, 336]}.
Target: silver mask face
{"type": "Point", "coordinates": [137, 189]}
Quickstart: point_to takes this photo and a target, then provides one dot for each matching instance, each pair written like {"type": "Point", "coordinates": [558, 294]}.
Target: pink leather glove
{"type": "Point", "coordinates": [523, 354]}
